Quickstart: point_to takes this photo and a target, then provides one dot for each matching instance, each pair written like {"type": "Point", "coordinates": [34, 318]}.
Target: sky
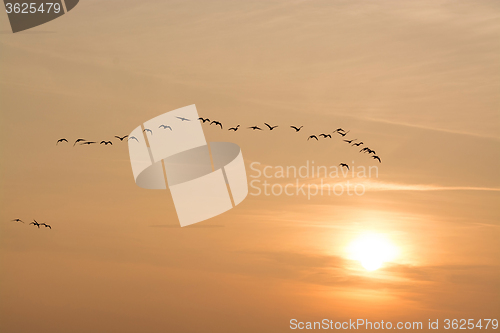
{"type": "Point", "coordinates": [416, 81]}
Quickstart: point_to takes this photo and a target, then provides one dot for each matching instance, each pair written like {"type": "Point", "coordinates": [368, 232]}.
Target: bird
{"type": "Point", "coordinates": [183, 119]}
{"type": "Point", "coordinates": [343, 134]}
{"type": "Point", "coordinates": [121, 139]}
{"type": "Point", "coordinates": [133, 137]}
{"type": "Point", "coordinates": [270, 127]}
{"type": "Point", "coordinates": [357, 144]}
{"type": "Point", "coordinates": [165, 127]}
{"type": "Point", "coordinates": [106, 143]}
{"type": "Point", "coordinates": [339, 130]}
{"type": "Point", "coordinates": [296, 128]}
{"type": "Point", "coordinates": [325, 135]}
{"type": "Point", "coordinates": [372, 152]}
{"type": "Point", "coordinates": [344, 165]}
{"type": "Point", "coordinates": [350, 141]}
{"type": "Point", "coordinates": [88, 143]}
{"type": "Point", "coordinates": [148, 130]}
{"type": "Point", "coordinates": [234, 128]}
{"type": "Point", "coordinates": [216, 123]}
{"type": "Point", "coordinates": [46, 225]}
{"type": "Point", "coordinates": [61, 140]}
{"type": "Point", "coordinates": [312, 137]}
{"type": "Point", "coordinates": [377, 158]}
{"type": "Point", "coordinates": [256, 128]}
{"type": "Point", "coordinates": [364, 149]}
{"type": "Point", "coordinates": [78, 140]}
{"type": "Point", "coordinates": [17, 220]}
{"type": "Point", "coordinates": [35, 223]}
{"type": "Point", "coordinates": [204, 119]}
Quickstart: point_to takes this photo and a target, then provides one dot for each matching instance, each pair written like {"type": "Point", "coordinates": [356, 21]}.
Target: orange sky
{"type": "Point", "coordinates": [417, 81]}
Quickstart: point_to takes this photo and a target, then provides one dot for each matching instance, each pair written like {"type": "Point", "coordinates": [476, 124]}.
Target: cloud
{"type": "Point", "coordinates": [385, 186]}
{"type": "Point", "coordinates": [338, 272]}
{"type": "Point", "coordinates": [368, 184]}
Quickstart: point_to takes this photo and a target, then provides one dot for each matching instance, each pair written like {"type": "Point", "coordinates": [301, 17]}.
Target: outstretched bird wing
{"type": "Point", "coordinates": [78, 140]}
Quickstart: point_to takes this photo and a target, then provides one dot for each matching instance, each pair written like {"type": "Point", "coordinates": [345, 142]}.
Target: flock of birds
{"type": "Point", "coordinates": [88, 143]}
{"type": "Point", "coordinates": [35, 223]}
{"type": "Point", "coordinates": [339, 131]}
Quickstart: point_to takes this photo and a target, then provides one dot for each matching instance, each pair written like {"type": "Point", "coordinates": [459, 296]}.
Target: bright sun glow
{"type": "Point", "coordinates": [372, 250]}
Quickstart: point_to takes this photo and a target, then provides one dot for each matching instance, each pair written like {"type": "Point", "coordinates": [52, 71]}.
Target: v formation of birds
{"type": "Point", "coordinates": [340, 131]}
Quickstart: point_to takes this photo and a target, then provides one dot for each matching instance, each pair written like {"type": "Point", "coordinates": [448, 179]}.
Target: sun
{"type": "Point", "coordinates": [372, 250]}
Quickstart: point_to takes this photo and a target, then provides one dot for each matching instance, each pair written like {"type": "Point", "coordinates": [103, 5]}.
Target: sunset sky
{"type": "Point", "coordinates": [417, 81]}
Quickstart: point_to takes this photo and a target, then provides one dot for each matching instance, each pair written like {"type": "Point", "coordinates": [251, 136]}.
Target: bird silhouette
{"type": "Point", "coordinates": [121, 139]}
{"type": "Point", "coordinates": [183, 119]}
{"type": "Point", "coordinates": [78, 140]}
{"type": "Point", "coordinates": [372, 152]}
{"type": "Point", "coordinates": [216, 123]}
{"type": "Point", "coordinates": [296, 128]}
{"type": "Point", "coordinates": [106, 143]}
{"type": "Point", "coordinates": [344, 165]}
{"type": "Point", "coordinates": [61, 140]}
{"type": "Point", "coordinates": [312, 137]}
{"type": "Point", "coordinates": [133, 137]}
{"type": "Point", "coordinates": [343, 134]}
{"type": "Point", "coordinates": [148, 130]}
{"type": "Point", "coordinates": [364, 149]}
{"type": "Point", "coordinates": [350, 141]}
{"type": "Point", "coordinates": [339, 130]}
{"type": "Point", "coordinates": [87, 143]}
{"type": "Point", "coordinates": [35, 223]}
{"type": "Point", "coordinates": [165, 127]}
{"type": "Point", "coordinates": [204, 119]}
{"type": "Point", "coordinates": [17, 220]}
{"type": "Point", "coordinates": [377, 158]}
{"type": "Point", "coordinates": [325, 135]}
{"type": "Point", "coordinates": [46, 225]}
{"type": "Point", "coordinates": [357, 144]}
{"type": "Point", "coordinates": [256, 128]}
{"type": "Point", "coordinates": [234, 128]}
{"type": "Point", "coordinates": [270, 127]}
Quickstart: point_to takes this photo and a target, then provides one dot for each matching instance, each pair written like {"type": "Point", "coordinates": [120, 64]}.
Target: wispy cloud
{"type": "Point", "coordinates": [368, 184]}
{"type": "Point", "coordinates": [385, 186]}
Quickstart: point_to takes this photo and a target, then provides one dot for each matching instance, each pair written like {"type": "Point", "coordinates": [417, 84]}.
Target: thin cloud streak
{"type": "Point", "coordinates": [370, 185]}
{"type": "Point", "coordinates": [382, 186]}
